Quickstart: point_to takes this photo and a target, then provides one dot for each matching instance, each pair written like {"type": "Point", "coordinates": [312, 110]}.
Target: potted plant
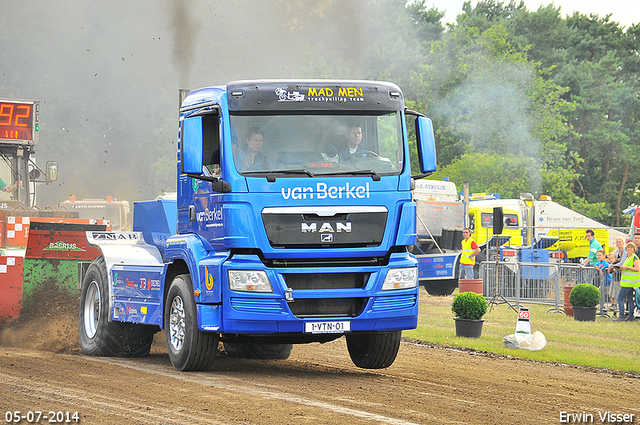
{"type": "Point", "coordinates": [584, 298]}
{"type": "Point", "coordinates": [468, 308]}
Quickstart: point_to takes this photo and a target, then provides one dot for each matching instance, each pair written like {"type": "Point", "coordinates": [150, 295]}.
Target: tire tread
{"type": "Point", "coordinates": [112, 339]}
{"type": "Point", "coordinates": [374, 350]}
{"type": "Point", "coordinates": [199, 349]}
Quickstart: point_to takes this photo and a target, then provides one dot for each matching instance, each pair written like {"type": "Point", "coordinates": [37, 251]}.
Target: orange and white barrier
{"type": "Point", "coordinates": [17, 228]}
{"type": "Point", "coordinates": [10, 287]}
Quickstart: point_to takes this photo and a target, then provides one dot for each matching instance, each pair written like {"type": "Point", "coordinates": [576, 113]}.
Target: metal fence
{"type": "Point", "coordinates": [539, 283]}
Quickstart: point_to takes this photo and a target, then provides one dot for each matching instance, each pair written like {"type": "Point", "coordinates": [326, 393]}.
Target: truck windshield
{"type": "Point", "coordinates": [319, 144]}
{"type": "Point", "coordinates": [109, 212]}
{"type": "Point", "coordinates": [510, 220]}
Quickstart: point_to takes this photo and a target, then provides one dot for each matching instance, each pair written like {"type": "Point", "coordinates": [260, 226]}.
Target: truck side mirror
{"type": "Point", "coordinates": [191, 146]}
{"type": "Point", "coordinates": [51, 171]}
{"type": "Point", "coordinates": [426, 145]}
{"type": "Point", "coordinates": [498, 220]}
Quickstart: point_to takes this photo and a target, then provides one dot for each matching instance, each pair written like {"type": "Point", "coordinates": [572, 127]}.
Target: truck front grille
{"type": "Point", "coordinates": [328, 227]}
{"type": "Point", "coordinates": [326, 280]}
{"type": "Point", "coordinates": [331, 307]}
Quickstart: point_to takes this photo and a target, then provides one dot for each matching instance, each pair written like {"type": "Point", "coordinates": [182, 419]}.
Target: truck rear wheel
{"type": "Point", "coordinates": [373, 350]}
{"type": "Point", "coordinates": [440, 287]}
{"type": "Point", "coordinates": [99, 336]}
{"type": "Point", "coordinates": [258, 351]}
{"type": "Point", "coordinates": [188, 347]}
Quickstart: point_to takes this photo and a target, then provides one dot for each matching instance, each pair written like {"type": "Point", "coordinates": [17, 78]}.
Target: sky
{"type": "Point", "coordinates": [626, 12]}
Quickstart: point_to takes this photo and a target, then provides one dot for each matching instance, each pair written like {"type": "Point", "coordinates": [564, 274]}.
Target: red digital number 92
{"type": "Point", "coordinates": [7, 116]}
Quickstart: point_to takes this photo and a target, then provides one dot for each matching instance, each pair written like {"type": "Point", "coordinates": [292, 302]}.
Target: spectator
{"type": "Point", "coordinates": [594, 246]}
{"type": "Point", "coordinates": [469, 250]}
{"type": "Point", "coordinates": [603, 268]}
{"type": "Point", "coordinates": [630, 270]}
{"type": "Point", "coordinates": [636, 242]}
{"type": "Point", "coordinates": [614, 288]}
{"type": "Point", "coordinates": [620, 256]}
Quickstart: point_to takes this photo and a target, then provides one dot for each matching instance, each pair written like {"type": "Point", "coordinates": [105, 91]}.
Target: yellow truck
{"type": "Point", "coordinates": [528, 220]}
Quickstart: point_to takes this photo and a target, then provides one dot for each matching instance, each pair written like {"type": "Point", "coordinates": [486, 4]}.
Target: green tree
{"type": "Point", "coordinates": [578, 97]}
{"type": "Point", "coordinates": [497, 102]}
{"type": "Point", "coordinates": [604, 86]}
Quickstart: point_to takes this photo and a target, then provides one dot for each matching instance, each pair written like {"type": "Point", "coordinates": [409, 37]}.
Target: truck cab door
{"type": "Point", "coordinates": [200, 149]}
{"type": "Point", "coordinates": [191, 145]}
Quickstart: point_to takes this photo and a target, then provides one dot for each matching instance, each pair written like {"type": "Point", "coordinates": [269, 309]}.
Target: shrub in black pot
{"type": "Point", "coordinates": [584, 298]}
{"type": "Point", "coordinates": [469, 308]}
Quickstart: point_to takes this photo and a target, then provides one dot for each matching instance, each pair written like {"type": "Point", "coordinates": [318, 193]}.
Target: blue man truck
{"type": "Point", "coordinates": [292, 223]}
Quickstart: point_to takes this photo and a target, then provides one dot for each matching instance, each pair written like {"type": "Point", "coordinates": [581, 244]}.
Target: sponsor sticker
{"type": "Point", "coordinates": [62, 246]}
{"type": "Point", "coordinates": [208, 279]}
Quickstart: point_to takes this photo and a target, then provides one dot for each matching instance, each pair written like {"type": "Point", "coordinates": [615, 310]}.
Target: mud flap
{"type": "Point", "coordinates": [53, 253]}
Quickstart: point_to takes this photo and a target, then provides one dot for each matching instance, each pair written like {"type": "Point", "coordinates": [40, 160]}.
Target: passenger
{"type": "Point", "coordinates": [249, 157]}
{"type": "Point", "coordinates": [630, 270]}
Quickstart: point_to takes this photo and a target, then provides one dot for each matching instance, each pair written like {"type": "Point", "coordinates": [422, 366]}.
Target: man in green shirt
{"type": "Point", "coordinates": [594, 247]}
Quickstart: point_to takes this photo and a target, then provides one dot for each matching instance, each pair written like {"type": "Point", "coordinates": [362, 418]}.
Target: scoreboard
{"type": "Point", "coordinates": [19, 121]}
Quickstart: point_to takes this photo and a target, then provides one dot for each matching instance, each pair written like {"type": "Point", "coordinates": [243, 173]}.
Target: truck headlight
{"type": "Point", "coordinates": [249, 281]}
{"type": "Point", "coordinates": [401, 279]}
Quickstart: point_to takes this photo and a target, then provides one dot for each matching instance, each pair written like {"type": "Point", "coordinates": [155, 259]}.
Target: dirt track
{"type": "Point", "coordinates": [41, 370]}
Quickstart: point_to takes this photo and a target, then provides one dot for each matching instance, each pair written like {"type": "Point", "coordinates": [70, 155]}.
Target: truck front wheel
{"type": "Point", "coordinates": [373, 350]}
{"type": "Point", "coordinates": [188, 347]}
{"type": "Point", "coordinates": [99, 336]}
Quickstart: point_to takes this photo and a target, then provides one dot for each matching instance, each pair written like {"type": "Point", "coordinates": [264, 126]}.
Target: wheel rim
{"type": "Point", "coordinates": [176, 323]}
{"type": "Point", "coordinates": [92, 309]}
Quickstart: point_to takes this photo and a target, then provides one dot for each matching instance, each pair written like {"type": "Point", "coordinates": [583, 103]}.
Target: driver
{"type": "Point", "coordinates": [352, 143]}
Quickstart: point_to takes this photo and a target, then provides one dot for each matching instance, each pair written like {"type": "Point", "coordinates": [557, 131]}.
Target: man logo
{"type": "Point", "coordinates": [326, 237]}
{"type": "Point", "coordinates": [326, 227]}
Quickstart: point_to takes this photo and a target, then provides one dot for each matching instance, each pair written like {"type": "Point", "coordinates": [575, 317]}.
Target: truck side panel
{"type": "Point", "coordinates": [203, 264]}
{"type": "Point", "coordinates": [437, 266]}
{"type": "Point", "coordinates": [137, 292]}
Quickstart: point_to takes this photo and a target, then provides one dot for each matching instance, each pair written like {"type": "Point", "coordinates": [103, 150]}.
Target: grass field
{"type": "Point", "coordinates": [600, 344]}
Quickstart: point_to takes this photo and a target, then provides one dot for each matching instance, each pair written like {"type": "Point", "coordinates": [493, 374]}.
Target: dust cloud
{"type": "Point", "coordinates": [107, 75]}
{"type": "Point", "coordinates": [48, 323]}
